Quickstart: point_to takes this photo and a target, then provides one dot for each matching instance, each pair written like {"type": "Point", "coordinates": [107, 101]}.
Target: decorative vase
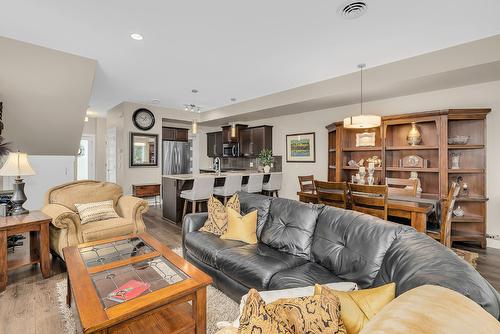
{"type": "Point", "coordinates": [267, 168]}
{"type": "Point", "coordinates": [455, 160]}
{"type": "Point", "coordinates": [414, 137]}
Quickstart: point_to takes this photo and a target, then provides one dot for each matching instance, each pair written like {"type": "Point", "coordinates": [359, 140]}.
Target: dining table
{"type": "Point", "coordinates": [416, 209]}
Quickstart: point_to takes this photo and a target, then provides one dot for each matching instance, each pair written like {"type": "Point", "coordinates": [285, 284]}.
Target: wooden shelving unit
{"type": "Point", "coordinates": [435, 128]}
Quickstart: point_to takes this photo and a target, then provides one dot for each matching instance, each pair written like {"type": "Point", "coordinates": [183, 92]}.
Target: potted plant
{"type": "Point", "coordinates": [266, 159]}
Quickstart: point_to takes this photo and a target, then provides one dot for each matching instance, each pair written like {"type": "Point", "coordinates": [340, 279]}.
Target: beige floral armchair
{"type": "Point", "coordinates": [66, 229]}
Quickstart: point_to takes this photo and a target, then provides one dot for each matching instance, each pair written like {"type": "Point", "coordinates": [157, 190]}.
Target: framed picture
{"type": "Point", "coordinates": [301, 147]}
{"type": "Point", "coordinates": [365, 139]}
{"type": "Point", "coordinates": [143, 150]}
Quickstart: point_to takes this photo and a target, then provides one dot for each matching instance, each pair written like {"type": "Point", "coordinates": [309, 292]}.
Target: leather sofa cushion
{"type": "Point", "coordinates": [431, 309]}
{"type": "Point", "coordinates": [415, 259]}
{"type": "Point", "coordinates": [250, 202]}
{"type": "Point", "coordinates": [255, 265]}
{"type": "Point", "coordinates": [290, 226]}
{"type": "Point", "coordinates": [108, 228]}
{"type": "Point", "coordinates": [351, 244]}
{"type": "Point", "coordinates": [307, 274]}
{"type": "Point", "coordinates": [205, 246]}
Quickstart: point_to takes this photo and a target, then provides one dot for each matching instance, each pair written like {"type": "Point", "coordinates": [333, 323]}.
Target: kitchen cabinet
{"type": "Point", "coordinates": [174, 134]}
{"type": "Point", "coordinates": [253, 140]}
{"type": "Point", "coordinates": [226, 133]}
{"type": "Point", "coordinates": [214, 144]}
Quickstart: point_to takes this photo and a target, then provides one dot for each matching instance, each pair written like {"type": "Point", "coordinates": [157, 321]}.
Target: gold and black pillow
{"type": "Point", "coordinates": [217, 215]}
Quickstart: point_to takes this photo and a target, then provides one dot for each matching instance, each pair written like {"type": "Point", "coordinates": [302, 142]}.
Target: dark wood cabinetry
{"type": "Point", "coordinates": [214, 144]}
{"type": "Point", "coordinates": [174, 134]}
{"type": "Point", "coordinates": [253, 140]}
{"type": "Point", "coordinates": [227, 137]}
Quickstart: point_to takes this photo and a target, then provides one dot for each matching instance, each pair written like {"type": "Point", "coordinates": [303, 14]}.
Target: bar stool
{"type": "Point", "coordinates": [254, 184]}
{"type": "Point", "coordinates": [203, 188]}
{"type": "Point", "coordinates": [273, 184]}
{"type": "Point", "coordinates": [232, 184]}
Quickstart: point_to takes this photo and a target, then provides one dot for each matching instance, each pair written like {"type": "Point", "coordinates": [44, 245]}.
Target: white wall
{"type": "Point", "coordinates": [485, 95]}
{"type": "Point", "coordinates": [50, 171]}
{"type": "Point", "coordinates": [97, 127]}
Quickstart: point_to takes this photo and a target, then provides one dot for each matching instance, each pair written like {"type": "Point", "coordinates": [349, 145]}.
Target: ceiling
{"type": "Point", "coordinates": [228, 48]}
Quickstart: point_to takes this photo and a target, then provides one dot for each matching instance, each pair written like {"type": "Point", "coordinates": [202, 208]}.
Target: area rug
{"type": "Point", "coordinates": [219, 307]}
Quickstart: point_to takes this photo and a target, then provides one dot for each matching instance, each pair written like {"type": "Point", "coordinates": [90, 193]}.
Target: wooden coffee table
{"type": "Point", "coordinates": [96, 269]}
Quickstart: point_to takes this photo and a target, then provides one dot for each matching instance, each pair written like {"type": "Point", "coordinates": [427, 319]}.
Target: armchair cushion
{"type": "Point", "coordinates": [83, 192]}
{"type": "Point", "coordinates": [107, 229]}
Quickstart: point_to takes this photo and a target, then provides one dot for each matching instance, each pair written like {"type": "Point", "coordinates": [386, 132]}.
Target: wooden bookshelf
{"type": "Point", "coordinates": [435, 128]}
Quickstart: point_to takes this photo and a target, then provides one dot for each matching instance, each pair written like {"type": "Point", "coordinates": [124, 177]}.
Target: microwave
{"type": "Point", "coordinates": [231, 150]}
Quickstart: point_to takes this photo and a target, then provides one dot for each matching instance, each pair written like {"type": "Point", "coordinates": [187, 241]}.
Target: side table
{"type": "Point", "coordinates": [37, 224]}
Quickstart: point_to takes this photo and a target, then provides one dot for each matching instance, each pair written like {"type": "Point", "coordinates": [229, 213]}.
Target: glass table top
{"type": "Point", "coordinates": [124, 283]}
{"type": "Point", "coordinates": [114, 251]}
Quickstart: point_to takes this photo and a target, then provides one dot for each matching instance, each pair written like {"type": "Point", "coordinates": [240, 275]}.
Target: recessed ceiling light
{"type": "Point", "coordinates": [233, 99]}
{"type": "Point", "coordinates": [155, 101]}
{"type": "Point", "coordinates": [137, 37]}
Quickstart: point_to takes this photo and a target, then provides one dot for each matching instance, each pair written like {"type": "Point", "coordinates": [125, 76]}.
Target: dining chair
{"type": "Point", "coordinates": [331, 193]}
{"type": "Point", "coordinates": [232, 184]}
{"type": "Point", "coordinates": [306, 183]}
{"type": "Point", "coordinates": [273, 185]}
{"type": "Point", "coordinates": [401, 187]}
{"type": "Point", "coordinates": [254, 184]}
{"type": "Point", "coordinates": [369, 199]}
{"type": "Point", "coordinates": [203, 188]}
{"type": "Point", "coordinates": [443, 233]}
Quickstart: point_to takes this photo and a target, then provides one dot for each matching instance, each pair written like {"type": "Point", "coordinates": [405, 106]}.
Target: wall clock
{"type": "Point", "coordinates": [143, 119]}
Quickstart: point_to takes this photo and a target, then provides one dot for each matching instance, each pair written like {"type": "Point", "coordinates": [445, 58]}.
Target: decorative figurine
{"type": "Point", "coordinates": [362, 173]}
{"type": "Point", "coordinates": [455, 160]}
{"type": "Point", "coordinates": [458, 212]}
{"type": "Point", "coordinates": [414, 137]}
{"type": "Point", "coordinates": [371, 170]}
{"type": "Point", "coordinates": [414, 176]}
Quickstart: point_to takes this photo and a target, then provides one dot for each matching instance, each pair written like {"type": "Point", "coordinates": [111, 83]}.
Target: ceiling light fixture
{"type": "Point", "coordinates": [233, 99]}
{"type": "Point", "coordinates": [155, 101]}
{"type": "Point", "coordinates": [192, 107]}
{"type": "Point", "coordinates": [136, 36]}
{"type": "Point", "coordinates": [194, 127]}
{"type": "Point", "coordinates": [233, 130]}
{"type": "Point", "coordinates": [362, 121]}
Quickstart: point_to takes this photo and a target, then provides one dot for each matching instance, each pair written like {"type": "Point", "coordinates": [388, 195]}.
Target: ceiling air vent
{"type": "Point", "coordinates": [352, 9]}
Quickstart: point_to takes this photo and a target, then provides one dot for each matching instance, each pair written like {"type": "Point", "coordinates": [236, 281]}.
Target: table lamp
{"type": "Point", "coordinates": [17, 165]}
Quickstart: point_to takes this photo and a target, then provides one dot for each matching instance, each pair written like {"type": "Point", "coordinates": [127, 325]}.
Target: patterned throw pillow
{"type": "Point", "coordinates": [217, 215]}
{"type": "Point", "coordinates": [312, 315]}
{"type": "Point", "coordinates": [96, 211]}
{"type": "Point", "coordinates": [256, 319]}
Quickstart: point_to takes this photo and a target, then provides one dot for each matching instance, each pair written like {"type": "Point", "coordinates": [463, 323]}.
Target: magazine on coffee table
{"type": "Point", "coordinates": [128, 291]}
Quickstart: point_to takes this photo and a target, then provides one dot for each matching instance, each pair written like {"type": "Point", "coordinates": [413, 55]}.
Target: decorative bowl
{"type": "Point", "coordinates": [458, 140]}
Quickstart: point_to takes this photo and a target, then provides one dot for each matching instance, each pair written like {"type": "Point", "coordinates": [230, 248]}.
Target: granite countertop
{"type": "Point", "coordinates": [221, 175]}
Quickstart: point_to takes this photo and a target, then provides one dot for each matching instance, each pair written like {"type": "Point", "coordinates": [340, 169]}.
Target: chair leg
{"type": "Point", "coordinates": [193, 207]}
{"type": "Point", "coordinates": [225, 200]}
{"type": "Point", "coordinates": [200, 209]}
{"type": "Point", "coordinates": [277, 194]}
{"type": "Point", "coordinates": [184, 211]}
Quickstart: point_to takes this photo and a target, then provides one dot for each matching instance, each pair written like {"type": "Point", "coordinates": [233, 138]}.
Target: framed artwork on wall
{"type": "Point", "coordinates": [301, 147]}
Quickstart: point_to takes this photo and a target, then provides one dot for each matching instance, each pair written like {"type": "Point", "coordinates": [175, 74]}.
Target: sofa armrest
{"type": "Point", "coordinates": [192, 222]}
{"type": "Point", "coordinates": [62, 217]}
{"type": "Point", "coordinates": [133, 208]}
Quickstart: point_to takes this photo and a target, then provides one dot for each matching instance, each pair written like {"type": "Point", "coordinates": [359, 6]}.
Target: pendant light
{"type": "Point", "coordinates": [233, 130]}
{"type": "Point", "coordinates": [362, 121]}
{"type": "Point", "coordinates": [194, 127]}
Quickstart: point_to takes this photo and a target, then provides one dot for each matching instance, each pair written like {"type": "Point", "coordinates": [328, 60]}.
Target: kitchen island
{"type": "Point", "coordinates": [172, 185]}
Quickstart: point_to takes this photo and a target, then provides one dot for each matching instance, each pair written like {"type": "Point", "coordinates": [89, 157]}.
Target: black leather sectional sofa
{"type": "Point", "coordinates": [303, 244]}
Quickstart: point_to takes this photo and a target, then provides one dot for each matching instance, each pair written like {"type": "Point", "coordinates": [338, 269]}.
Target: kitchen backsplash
{"type": "Point", "coordinates": [244, 163]}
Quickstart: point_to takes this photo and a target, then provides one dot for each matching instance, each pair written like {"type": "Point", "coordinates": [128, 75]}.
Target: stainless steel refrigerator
{"type": "Point", "coordinates": [177, 157]}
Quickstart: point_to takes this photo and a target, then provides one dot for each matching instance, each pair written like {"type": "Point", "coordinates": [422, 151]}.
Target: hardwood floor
{"type": "Point", "coordinates": [29, 304]}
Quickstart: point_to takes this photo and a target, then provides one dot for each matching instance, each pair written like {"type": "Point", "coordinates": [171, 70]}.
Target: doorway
{"type": "Point", "coordinates": [85, 161]}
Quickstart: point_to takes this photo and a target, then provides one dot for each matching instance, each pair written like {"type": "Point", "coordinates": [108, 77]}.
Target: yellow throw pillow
{"type": "Point", "coordinates": [256, 319]}
{"type": "Point", "coordinates": [360, 306]}
{"type": "Point", "coordinates": [241, 228]}
{"type": "Point", "coordinates": [217, 215]}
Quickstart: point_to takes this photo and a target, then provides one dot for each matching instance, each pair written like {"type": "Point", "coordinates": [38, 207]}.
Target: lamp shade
{"type": "Point", "coordinates": [362, 122]}
{"type": "Point", "coordinates": [17, 164]}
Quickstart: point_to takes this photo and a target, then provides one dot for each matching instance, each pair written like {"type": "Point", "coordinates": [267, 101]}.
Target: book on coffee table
{"type": "Point", "coordinates": [128, 291]}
